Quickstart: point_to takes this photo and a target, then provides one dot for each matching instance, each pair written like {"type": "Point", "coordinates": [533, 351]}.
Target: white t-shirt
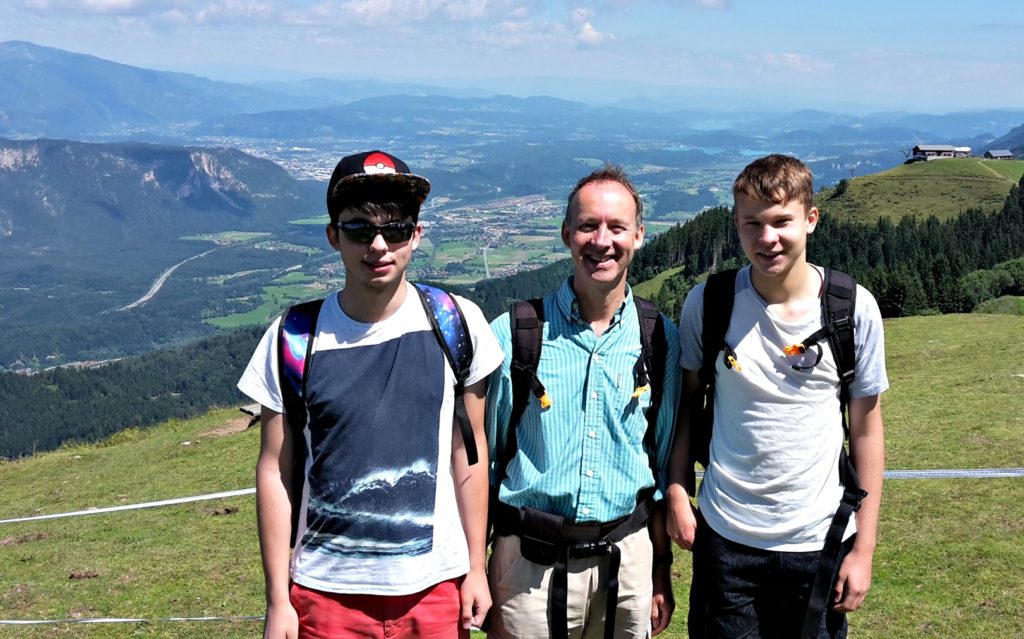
{"type": "Point", "coordinates": [773, 478]}
{"type": "Point", "coordinates": [378, 512]}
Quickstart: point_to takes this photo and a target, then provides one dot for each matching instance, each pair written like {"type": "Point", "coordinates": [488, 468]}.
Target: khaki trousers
{"type": "Point", "coordinates": [520, 590]}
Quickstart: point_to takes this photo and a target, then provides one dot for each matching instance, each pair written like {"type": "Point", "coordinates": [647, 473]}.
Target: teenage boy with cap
{"type": "Point", "coordinates": [392, 519]}
{"type": "Point", "coordinates": [575, 553]}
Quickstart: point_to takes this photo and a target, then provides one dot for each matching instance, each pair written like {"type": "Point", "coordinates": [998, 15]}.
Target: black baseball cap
{"type": "Point", "coordinates": [376, 173]}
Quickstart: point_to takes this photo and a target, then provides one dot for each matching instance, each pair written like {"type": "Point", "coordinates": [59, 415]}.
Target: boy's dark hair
{"type": "Point", "coordinates": [776, 179]}
{"type": "Point", "coordinates": [608, 173]}
{"type": "Point", "coordinates": [383, 203]}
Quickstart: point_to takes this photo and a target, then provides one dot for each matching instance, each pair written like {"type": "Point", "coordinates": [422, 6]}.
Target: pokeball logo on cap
{"type": "Point", "coordinates": [377, 163]}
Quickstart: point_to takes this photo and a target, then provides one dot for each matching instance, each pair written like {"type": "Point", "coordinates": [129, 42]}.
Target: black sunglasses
{"type": "Point", "coordinates": [363, 232]}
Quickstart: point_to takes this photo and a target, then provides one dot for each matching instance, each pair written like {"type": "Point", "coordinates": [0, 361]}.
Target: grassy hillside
{"type": "Point", "coordinates": [943, 188]}
{"type": "Point", "coordinates": [947, 564]}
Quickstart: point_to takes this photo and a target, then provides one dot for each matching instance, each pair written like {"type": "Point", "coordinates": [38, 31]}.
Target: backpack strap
{"type": "Point", "coordinates": [526, 321]}
{"type": "Point", "coordinates": [294, 356]}
{"type": "Point", "coordinates": [838, 305]}
{"type": "Point", "coordinates": [837, 308]}
{"type": "Point", "coordinates": [649, 371]}
{"type": "Point", "coordinates": [719, 294]}
{"type": "Point", "coordinates": [449, 326]}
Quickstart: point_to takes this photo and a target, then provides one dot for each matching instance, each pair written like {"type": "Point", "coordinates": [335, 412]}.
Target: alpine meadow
{"type": "Point", "coordinates": [163, 169]}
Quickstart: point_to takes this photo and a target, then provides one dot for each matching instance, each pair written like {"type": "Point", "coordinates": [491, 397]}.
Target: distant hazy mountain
{"type": "Point", "coordinates": [86, 229]}
{"type": "Point", "coordinates": [47, 92]}
{"type": "Point", "coordinates": [927, 127]}
{"type": "Point", "coordinates": [60, 194]}
{"type": "Point", "coordinates": [1013, 141]}
{"type": "Point", "coordinates": [334, 91]}
{"type": "Point", "coordinates": [537, 119]}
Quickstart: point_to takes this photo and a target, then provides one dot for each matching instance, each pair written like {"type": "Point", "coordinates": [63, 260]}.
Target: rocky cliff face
{"type": "Point", "coordinates": [57, 191]}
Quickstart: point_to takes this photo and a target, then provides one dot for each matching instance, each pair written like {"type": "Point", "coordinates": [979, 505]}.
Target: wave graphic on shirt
{"type": "Point", "coordinates": [387, 512]}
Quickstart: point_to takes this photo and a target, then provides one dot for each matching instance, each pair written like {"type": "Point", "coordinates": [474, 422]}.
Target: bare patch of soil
{"type": "Point", "coordinates": [15, 540]}
{"type": "Point", "coordinates": [230, 427]}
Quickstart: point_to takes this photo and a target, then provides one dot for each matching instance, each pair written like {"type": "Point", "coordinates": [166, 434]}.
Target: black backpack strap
{"type": "Point", "coordinates": [838, 304]}
{"type": "Point", "coordinates": [719, 294]}
{"type": "Point", "coordinates": [649, 371]}
{"type": "Point", "coordinates": [526, 322]}
{"type": "Point", "coordinates": [837, 308]}
{"type": "Point", "coordinates": [449, 326]}
{"type": "Point", "coordinates": [294, 356]}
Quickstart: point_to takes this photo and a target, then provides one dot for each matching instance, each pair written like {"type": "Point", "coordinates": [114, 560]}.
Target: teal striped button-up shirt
{"type": "Point", "coordinates": [584, 457]}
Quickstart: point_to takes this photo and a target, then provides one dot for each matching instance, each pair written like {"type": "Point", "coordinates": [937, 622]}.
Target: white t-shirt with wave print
{"type": "Point", "coordinates": [378, 512]}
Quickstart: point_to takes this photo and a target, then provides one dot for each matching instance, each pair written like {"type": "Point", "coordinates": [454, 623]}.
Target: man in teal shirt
{"type": "Point", "coordinates": [579, 492]}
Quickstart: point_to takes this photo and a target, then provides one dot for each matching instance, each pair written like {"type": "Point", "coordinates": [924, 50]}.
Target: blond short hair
{"type": "Point", "coordinates": [776, 179]}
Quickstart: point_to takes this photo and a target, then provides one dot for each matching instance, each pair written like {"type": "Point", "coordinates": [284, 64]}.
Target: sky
{"type": "Point", "coordinates": [915, 55]}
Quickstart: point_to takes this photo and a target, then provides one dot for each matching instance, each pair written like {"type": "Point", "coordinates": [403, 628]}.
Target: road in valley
{"type": "Point", "coordinates": [153, 290]}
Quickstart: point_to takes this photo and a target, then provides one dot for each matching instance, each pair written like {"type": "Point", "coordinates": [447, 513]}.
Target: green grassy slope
{"type": "Point", "coordinates": [943, 188]}
{"type": "Point", "coordinates": [947, 563]}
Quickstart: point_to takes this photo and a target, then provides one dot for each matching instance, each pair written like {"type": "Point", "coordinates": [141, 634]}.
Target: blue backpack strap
{"type": "Point", "coordinates": [449, 326]}
{"type": "Point", "coordinates": [294, 355]}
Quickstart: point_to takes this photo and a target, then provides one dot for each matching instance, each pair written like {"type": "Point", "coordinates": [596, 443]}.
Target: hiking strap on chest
{"type": "Point", "coordinates": [294, 356]}
{"type": "Point", "coordinates": [838, 301]}
{"type": "Point", "coordinates": [838, 304]}
{"type": "Point", "coordinates": [549, 540]}
{"type": "Point", "coordinates": [526, 321]}
{"type": "Point", "coordinates": [449, 326]}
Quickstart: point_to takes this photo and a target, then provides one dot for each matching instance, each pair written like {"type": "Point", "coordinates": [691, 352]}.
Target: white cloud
{"type": "Point", "coordinates": [520, 34]}
{"type": "Point", "coordinates": [233, 11]}
{"type": "Point", "coordinates": [103, 7]}
{"type": "Point", "coordinates": [794, 62]}
{"type": "Point", "coordinates": [589, 36]}
{"type": "Point", "coordinates": [711, 4]}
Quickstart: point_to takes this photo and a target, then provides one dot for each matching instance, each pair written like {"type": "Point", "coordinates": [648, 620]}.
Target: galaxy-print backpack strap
{"type": "Point", "coordinates": [295, 346]}
{"type": "Point", "coordinates": [449, 326]}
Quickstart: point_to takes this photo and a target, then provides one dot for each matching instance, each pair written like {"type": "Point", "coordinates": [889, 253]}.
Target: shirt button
{"type": "Point", "coordinates": [586, 511]}
{"type": "Point", "coordinates": [592, 434]}
{"type": "Point", "coordinates": [590, 473]}
{"type": "Point", "coordinates": [593, 394]}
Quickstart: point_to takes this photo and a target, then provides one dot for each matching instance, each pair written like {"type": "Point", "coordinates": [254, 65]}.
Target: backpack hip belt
{"type": "Point", "coordinates": [548, 540]}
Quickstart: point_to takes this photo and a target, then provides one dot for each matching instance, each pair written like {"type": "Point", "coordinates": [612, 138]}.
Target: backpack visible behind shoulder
{"type": "Point", "coordinates": [295, 354]}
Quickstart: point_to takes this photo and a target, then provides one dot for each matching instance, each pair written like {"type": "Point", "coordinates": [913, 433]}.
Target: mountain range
{"type": "Point", "coordinates": [48, 92]}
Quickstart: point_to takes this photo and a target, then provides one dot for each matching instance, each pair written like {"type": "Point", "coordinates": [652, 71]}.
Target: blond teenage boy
{"type": "Point", "coordinates": [773, 482]}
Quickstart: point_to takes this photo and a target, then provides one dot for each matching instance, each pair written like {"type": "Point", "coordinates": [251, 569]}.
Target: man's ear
{"type": "Point", "coordinates": [565, 233]}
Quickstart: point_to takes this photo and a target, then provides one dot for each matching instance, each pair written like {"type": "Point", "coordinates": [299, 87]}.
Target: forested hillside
{"type": "Point", "coordinates": [43, 411]}
{"type": "Point", "coordinates": [912, 266]}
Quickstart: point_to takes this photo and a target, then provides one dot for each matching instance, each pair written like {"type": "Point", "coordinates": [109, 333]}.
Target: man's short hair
{"type": "Point", "coordinates": [608, 173]}
{"type": "Point", "coordinates": [776, 179]}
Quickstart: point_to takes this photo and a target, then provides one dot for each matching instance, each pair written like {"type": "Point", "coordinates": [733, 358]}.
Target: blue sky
{"type": "Point", "coordinates": [930, 56]}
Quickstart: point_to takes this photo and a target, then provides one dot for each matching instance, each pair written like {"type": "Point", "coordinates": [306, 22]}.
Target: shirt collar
{"type": "Point", "coordinates": [569, 305]}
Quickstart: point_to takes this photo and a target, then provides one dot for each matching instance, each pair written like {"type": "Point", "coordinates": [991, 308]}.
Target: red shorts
{"type": "Point", "coordinates": [434, 613]}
